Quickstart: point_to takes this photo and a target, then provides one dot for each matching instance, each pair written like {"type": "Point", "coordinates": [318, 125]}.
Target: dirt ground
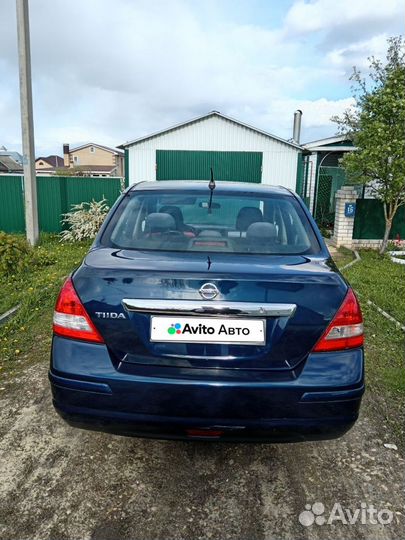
{"type": "Point", "coordinates": [57, 482]}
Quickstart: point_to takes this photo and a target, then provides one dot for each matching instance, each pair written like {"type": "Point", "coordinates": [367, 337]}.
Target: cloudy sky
{"type": "Point", "coordinates": [108, 71]}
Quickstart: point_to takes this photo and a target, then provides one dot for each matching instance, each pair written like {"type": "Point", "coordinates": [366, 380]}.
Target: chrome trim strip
{"type": "Point", "coordinates": [203, 308]}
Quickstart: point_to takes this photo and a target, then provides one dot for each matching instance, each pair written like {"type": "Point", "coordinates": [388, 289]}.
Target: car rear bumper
{"type": "Point", "coordinates": [321, 402]}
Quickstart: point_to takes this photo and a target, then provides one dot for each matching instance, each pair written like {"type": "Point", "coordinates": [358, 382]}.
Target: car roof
{"type": "Point", "coordinates": [198, 185]}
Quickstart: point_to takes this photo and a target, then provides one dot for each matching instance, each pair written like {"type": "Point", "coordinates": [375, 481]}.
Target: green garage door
{"type": "Point", "coordinates": [195, 165]}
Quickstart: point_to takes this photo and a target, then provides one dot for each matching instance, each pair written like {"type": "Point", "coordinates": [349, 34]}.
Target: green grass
{"type": "Point", "coordinates": [343, 256]}
{"type": "Point", "coordinates": [36, 291]}
{"type": "Point", "coordinates": [378, 279]}
{"type": "Point", "coordinates": [385, 370]}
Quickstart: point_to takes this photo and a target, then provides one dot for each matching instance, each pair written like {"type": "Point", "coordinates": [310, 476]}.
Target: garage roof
{"type": "Point", "coordinates": [203, 117]}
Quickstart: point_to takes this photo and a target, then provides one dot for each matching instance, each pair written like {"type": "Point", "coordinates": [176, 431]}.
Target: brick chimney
{"type": "Point", "coordinates": [66, 156]}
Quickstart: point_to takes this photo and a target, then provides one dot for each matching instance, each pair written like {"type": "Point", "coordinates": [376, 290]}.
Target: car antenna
{"type": "Point", "coordinates": [211, 186]}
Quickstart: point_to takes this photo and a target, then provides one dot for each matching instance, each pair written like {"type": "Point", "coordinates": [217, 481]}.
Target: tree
{"type": "Point", "coordinates": [376, 125]}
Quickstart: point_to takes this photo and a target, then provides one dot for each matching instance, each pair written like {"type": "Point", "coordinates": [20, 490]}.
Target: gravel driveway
{"type": "Point", "coordinates": [57, 482]}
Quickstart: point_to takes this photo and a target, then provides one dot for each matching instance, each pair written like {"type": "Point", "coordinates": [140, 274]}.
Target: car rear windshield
{"type": "Point", "coordinates": [234, 223]}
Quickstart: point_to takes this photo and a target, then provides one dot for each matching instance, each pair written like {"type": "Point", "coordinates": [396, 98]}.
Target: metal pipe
{"type": "Point", "coordinates": [297, 126]}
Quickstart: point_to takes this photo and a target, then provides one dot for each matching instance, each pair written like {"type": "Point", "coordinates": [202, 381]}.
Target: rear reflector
{"type": "Point", "coordinates": [70, 319]}
{"type": "Point", "coordinates": [346, 328]}
{"type": "Point", "coordinates": [207, 433]}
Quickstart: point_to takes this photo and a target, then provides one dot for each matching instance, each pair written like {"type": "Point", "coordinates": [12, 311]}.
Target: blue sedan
{"type": "Point", "coordinates": [211, 312]}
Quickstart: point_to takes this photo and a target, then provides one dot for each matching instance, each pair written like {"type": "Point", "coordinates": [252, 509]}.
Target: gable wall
{"type": "Point", "coordinates": [216, 134]}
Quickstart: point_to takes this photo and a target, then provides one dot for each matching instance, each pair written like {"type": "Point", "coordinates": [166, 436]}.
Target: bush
{"type": "Point", "coordinates": [84, 220]}
{"type": "Point", "coordinates": [16, 255]}
{"type": "Point", "coordinates": [14, 252]}
{"type": "Point", "coordinates": [39, 257]}
{"type": "Point", "coordinates": [326, 231]}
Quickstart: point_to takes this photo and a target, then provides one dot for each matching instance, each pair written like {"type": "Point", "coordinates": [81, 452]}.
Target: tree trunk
{"type": "Point", "coordinates": [388, 225]}
{"type": "Point", "coordinates": [390, 209]}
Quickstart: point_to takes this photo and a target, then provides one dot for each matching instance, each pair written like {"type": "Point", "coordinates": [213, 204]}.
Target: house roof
{"type": "Point", "coordinates": [8, 164]}
{"type": "Point", "coordinates": [338, 143]}
{"type": "Point", "coordinates": [16, 156]}
{"type": "Point", "coordinates": [53, 160]}
{"type": "Point", "coordinates": [204, 117]}
{"type": "Point", "coordinates": [107, 148]}
{"type": "Point", "coordinates": [328, 141]}
{"type": "Point", "coordinates": [106, 168]}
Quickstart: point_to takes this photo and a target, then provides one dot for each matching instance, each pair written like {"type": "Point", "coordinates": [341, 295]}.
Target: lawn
{"type": "Point", "coordinates": [380, 280]}
{"type": "Point", "coordinates": [343, 256]}
{"type": "Point", "coordinates": [35, 290]}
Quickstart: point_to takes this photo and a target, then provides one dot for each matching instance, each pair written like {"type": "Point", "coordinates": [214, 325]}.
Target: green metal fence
{"type": "Point", "coordinates": [330, 179]}
{"type": "Point", "coordinates": [301, 186]}
{"type": "Point", "coordinates": [11, 204]}
{"type": "Point", "coordinates": [369, 222]}
{"type": "Point", "coordinates": [56, 195]}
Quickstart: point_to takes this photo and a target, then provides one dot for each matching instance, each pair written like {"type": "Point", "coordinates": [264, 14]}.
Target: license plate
{"type": "Point", "coordinates": [208, 330]}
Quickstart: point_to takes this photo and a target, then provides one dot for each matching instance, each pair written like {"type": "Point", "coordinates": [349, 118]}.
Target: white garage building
{"type": "Point", "coordinates": [235, 151]}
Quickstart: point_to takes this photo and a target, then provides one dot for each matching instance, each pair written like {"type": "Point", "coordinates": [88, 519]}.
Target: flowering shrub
{"type": "Point", "coordinates": [84, 220]}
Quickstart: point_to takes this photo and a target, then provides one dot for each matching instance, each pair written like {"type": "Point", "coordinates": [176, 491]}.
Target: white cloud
{"type": "Point", "coordinates": [357, 54]}
{"type": "Point", "coordinates": [110, 75]}
{"type": "Point", "coordinates": [322, 15]}
{"type": "Point", "coordinates": [277, 116]}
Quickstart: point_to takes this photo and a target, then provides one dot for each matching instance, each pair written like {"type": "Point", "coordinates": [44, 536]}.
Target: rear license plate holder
{"type": "Point", "coordinates": [221, 330]}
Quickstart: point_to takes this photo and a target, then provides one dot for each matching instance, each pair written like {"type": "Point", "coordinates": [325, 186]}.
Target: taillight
{"type": "Point", "coordinates": [70, 319]}
{"type": "Point", "coordinates": [345, 330]}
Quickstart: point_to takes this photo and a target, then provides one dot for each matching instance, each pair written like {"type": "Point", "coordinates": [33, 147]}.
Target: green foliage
{"type": "Point", "coordinates": [385, 373]}
{"type": "Point", "coordinates": [26, 337]}
{"type": "Point", "coordinates": [377, 127]}
{"type": "Point", "coordinates": [84, 220]}
{"type": "Point", "coordinates": [13, 253]}
{"type": "Point", "coordinates": [17, 256]}
{"type": "Point", "coordinates": [325, 228]}
{"type": "Point", "coordinates": [74, 171]}
{"type": "Point", "coordinates": [380, 280]}
{"type": "Point", "coordinates": [40, 257]}
{"type": "Point", "coordinates": [343, 256]}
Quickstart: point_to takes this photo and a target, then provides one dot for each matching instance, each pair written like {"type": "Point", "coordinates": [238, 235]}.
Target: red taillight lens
{"type": "Point", "coordinates": [206, 433]}
{"type": "Point", "coordinates": [345, 330]}
{"type": "Point", "coordinates": [70, 319]}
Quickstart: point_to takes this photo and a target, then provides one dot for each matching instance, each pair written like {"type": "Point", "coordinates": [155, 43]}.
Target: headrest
{"type": "Point", "coordinates": [159, 222]}
{"type": "Point", "coordinates": [262, 230]}
{"type": "Point", "coordinates": [246, 216]}
{"type": "Point", "coordinates": [173, 211]}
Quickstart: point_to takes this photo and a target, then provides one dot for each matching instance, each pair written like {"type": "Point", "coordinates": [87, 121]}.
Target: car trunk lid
{"type": "Point", "coordinates": [124, 290]}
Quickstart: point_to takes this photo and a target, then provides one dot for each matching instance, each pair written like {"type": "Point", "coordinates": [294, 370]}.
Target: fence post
{"type": "Point", "coordinates": [344, 216]}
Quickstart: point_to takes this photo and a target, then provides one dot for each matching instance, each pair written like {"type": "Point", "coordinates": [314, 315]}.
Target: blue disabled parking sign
{"type": "Point", "coordinates": [350, 209]}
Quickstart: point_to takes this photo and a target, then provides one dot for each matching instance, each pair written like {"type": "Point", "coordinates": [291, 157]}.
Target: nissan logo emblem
{"type": "Point", "coordinates": [209, 291]}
